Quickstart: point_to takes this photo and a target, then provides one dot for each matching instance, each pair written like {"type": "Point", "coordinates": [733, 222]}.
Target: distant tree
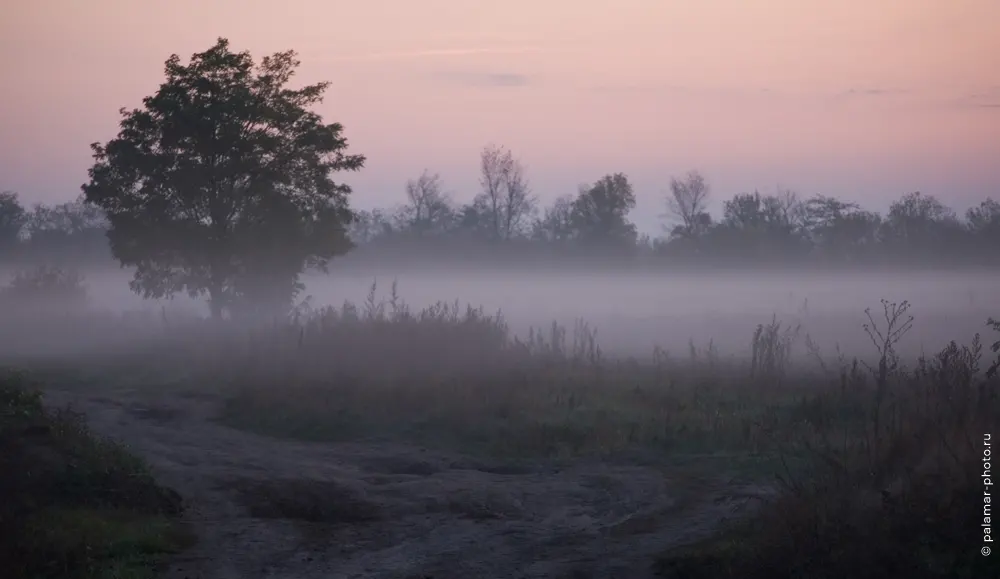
{"type": "Point", "coordinates": [66, 231]}
{"type": "Point", "coordinates": [768, 214]}
{"type": "Point", "coordinates": [428, 209]}
{"type": "Point", "coordinates": [840, 231]}
{"type": "Point", "coordinates": [822, 212]}
{"type": "Point", "coordinates": [983, 223]}
{"type": "Point", "coordinates": [370, 226]}
{"type": "Point", "coordinates": [985, 219]}
{"type": "Point", "coordinates": [221, 183]}
{"type": "Point", "coordinates": [791, 208]}
{"type": "Point", "coordinates": [920, 227]}
{"type": "Point", "coordinates": [12, 220]}
{"type": "Point", "coordinates": [474, 221]}
{"type": "Point", "coordinates": [687, 205]}
{"type": "Point", "coordinates": [64, 220]}
{"type": "Point", "coordinates": [506, 200]}
{"type": "Point", "coordinates": [600, 214]}
{"type": "Point", "coordinates": [556, 223]}
{"type": "Point", "coordinates": [755, 226]}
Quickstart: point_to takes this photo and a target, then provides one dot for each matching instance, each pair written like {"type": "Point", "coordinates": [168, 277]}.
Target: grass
{"type": "Point", "coordinates": [456, 378]}
{"type": "Point", "coordinates": [893, 486]}
{"type": "Point", "coordinates": [76, 505]}
{"type": "Point", "coordinates": [541, 414]}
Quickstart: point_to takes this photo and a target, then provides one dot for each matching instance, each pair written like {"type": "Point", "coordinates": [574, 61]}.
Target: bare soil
{"type": "Point", "coordinates": [266, 508]}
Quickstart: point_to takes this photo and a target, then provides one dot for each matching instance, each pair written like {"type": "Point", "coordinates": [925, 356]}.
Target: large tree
{"type": "Point", "coordinates": [220, 183]}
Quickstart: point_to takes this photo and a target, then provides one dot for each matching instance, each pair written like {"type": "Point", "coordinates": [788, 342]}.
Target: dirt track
{"type": "Point", "coordinates": [280, 509]}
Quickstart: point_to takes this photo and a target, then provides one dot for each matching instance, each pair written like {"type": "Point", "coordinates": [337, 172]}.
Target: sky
{"type": "Point", "coordinates": [864, 100]}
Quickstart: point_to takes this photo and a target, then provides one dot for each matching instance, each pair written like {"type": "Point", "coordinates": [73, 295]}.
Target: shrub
{"type": "Point", "coordinates": [73, 503]}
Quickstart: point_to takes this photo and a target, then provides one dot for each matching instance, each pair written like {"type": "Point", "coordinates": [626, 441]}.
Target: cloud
{"type": "Point", "coordinates": [744, 91]}
{"type": "Point", "coordinates": [713, 92]}
{"type": "Point", "coordinates": [982, 98]}
{"type": "Point", "coordinates": [435, 53]}
{"type": "Point", "coordinates": [873, 92]}
{"type": "Point", "coordinates": [484, 79]}
{"type": "Point", "coordinates": [638, 88]}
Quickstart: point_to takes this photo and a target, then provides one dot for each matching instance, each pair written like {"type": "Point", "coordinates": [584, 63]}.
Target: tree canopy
{"type": "Point", "coordinates": [220, 184]}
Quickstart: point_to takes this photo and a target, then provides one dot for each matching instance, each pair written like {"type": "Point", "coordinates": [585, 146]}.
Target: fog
{"type": "Point", "coordinates": [632, 312]}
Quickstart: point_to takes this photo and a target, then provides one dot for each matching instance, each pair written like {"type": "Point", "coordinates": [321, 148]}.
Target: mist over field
{"type": "Point", "coordinates": [634, 311]}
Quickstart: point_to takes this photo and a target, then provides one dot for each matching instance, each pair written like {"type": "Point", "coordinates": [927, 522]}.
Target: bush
{"type": "Point", "coordinates": [74, 504]}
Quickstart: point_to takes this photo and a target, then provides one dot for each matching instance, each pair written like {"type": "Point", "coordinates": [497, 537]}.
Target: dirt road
{"type": "Point", "coordinates": [266, 508]}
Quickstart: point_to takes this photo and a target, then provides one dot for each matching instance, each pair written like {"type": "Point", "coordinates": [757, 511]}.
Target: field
{"type": "Point", "coordinates": [675, 427]}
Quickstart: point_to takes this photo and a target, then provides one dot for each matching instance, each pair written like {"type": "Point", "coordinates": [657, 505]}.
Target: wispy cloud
{"type": "Point", "coordinates": [435, 53]}
{"type": "Point", "coordinates": [745, 91]}
{"type": "Point", "coordinates": [983, 98]}
{"type": "Point", "coordinates": [638, 88]}
{"type": "Point", "coordinates": [873, 92]}
{"type": "Point", "coordinates": [483, 79]}
{"type": "Point", "coordinates": [716, 92]}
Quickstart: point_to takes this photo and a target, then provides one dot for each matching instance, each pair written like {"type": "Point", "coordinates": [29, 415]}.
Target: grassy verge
{"type": "Point", "coordinates": [530, 414]}
{"type": "Point", "coordinates": [899, 493]}
{"type": "Point", "coordinates": [76, 505]}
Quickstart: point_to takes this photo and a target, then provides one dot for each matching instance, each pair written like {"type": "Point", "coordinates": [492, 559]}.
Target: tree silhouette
{"type": "Point", "coordinates": [221, 183]}
{"type": "Point", "coordinates": [556, 224]}
{"type": "Point", "coordinates": [600, 214]}
{"type": "Point", "coordinates": [428, 209]}
{"type": "Point", "coordinates": [687, 206]}
{"type": "Point", "coordinates": [919, 226]}
{"type": "Point", "coordinates": [984, 227]}
{"type": "Point", "coordinates": [12, 220]}
{"type": "Point", "coordinates": [506, 201]}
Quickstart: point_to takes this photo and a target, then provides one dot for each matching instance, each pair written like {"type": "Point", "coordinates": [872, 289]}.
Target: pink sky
{"type": "Point", "coordinates": [863, 100]}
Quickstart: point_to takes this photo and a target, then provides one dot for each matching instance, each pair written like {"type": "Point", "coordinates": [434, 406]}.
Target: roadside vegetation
{"type": "Point", "coordinates": [76, 505]}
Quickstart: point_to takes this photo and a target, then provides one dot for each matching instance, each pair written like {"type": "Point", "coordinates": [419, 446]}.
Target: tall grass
{"type": "Point", "coordinates": [885, 480]}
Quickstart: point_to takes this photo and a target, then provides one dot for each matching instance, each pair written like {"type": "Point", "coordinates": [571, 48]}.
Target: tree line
{"type": "Point", "coordinates": [51, 233]}
{"type": "Point", "coordinates": [783, 227]}
{"type": "Point", "coordinates": [222, 184]}
{"type": "Point", "coordinates": [507, 220]}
